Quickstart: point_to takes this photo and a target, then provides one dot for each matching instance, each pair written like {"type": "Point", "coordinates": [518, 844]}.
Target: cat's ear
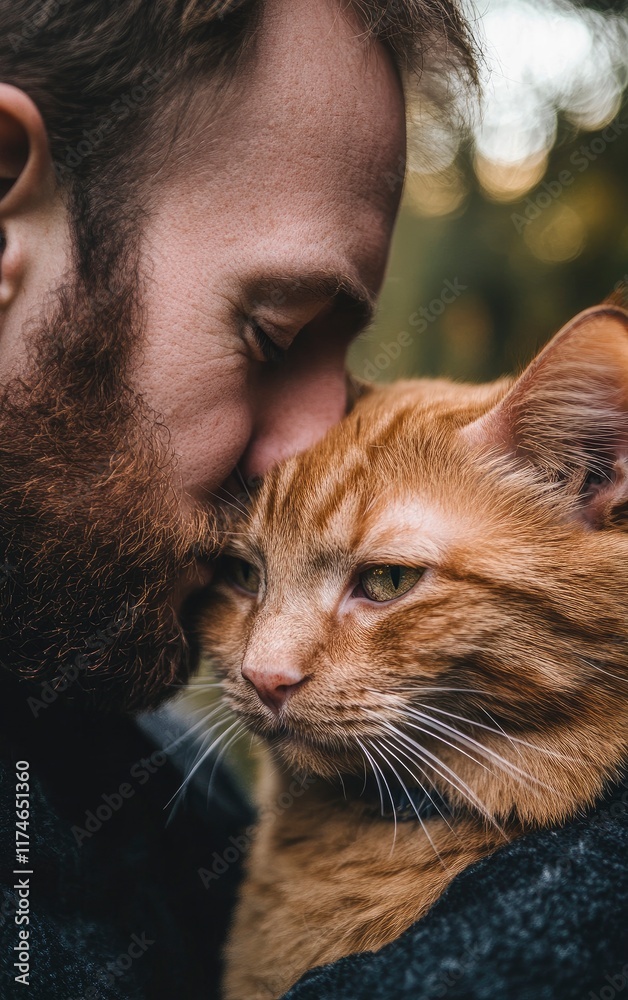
{"type": "Point", "coordinates": [568, 414]}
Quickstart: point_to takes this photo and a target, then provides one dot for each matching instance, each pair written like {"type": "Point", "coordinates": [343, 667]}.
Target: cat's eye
{"type": "Point", "coordinates": [243, 574]}
{"type": "Point", "coordinates": [383, 583]}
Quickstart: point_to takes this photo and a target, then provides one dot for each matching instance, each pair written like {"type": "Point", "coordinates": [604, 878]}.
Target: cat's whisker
{"type": "Point", "coordinates": [366, 755]}
{"type": "Point", "coordinates": [377, 768]}
{"type": "Point", "coordinates": [392, 802]}
{"type": "Point", "coordinates": [223, 492]}
{"type": "Point", "coordinates": [211, 730]}
{"type": "Point", "coordinates": [365, 775]}
{"type": "Point", "coordinates": [501, 762]}
{"type": "Point", "coordinates": [390, 741]}
{"type": "Point", "coordinates": [243, 481]}
{"type": "Point", "coordinates": [601, 670]}
{"type": "Point", "coordinates": [404, 712]}
{"type": "Point", "coordinates": [500, 730]}
{"type": "Point", "coordinates": [241, 508]}
{"type": "Point", "coordinates": [431, 760]}
{"type": "Point", "coordinates": [344, 790]}
{"type": "Point", "coordinates": [206, 739]}
{"type": "Point", "coordinates": [196, 725]}
{"type": "Point", "coordinates": [377, 746]}
{"type": "Point", "coordinates": [422, 688]}
{"type": "Point", "coordinates": [394, 745]}
{"type": "Point", "coordinates": [206, 754]}
{"type": "Point", "coordinates": [427, 757]}
{"type": "Point", "coordinates": [240, 731]}
{"type": "Point", "coordinates": [513, 740]}
{"type": "Point", "coordinates": [518, 773]}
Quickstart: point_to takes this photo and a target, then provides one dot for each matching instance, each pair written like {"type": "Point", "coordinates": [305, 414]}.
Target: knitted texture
{"type": "Point", "coordinates": [118, 907]}
{"type": "Point", "coordinates": [545, 918]}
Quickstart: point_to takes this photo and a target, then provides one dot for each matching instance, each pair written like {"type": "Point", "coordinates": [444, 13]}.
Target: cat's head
{"type": "Point", "coordinates": [440, 586]}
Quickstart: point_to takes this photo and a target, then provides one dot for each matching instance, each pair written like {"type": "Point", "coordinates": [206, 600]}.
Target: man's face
{"type": "Point", "coordinates": [288, 197]}
{"type": "Point", "coordinates": [260, 257]}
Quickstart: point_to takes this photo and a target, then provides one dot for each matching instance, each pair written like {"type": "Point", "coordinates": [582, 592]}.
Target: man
{"type": "Point", "coordinates": [196, 203]}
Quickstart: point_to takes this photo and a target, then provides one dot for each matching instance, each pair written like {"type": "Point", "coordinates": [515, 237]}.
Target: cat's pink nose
{"type": "Point", "coordinates": [274, 685]}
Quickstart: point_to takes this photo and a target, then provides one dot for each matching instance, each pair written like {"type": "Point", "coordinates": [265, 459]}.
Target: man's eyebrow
{"type": "Point", "coordinates": [351, 295]}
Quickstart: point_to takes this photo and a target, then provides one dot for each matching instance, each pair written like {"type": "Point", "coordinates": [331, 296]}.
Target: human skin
{"type": "Point", "coordinates": [287, 181]}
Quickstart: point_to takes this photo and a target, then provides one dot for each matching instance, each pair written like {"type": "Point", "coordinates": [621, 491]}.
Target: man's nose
{"type": "Point", "coordinates": [274, 685]}
{"type": "Point", "coordinates": [294, 408]}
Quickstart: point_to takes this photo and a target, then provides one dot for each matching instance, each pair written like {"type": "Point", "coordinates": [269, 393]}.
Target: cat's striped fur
{"type": "Point", "coordinates": [499, 679]}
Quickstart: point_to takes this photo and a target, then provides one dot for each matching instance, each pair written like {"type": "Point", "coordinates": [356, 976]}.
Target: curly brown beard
{"type": "Point", "coordinates": [93, 538]}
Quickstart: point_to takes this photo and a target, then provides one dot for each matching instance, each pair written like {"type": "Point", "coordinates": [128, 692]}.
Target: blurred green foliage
{"type": "Point", "coordinates": [527, 266]}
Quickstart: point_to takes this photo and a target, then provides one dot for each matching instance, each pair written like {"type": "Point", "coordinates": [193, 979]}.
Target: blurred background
{"type": "Point", "coordinates": [513, 224]}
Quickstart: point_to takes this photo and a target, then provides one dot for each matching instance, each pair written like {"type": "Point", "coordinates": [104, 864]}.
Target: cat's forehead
{"type": "Point", "coordinates": [394, 456]}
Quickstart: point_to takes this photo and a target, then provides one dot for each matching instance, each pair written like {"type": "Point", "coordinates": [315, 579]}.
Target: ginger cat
{"type": "Point", "coordinates": [425, 617]}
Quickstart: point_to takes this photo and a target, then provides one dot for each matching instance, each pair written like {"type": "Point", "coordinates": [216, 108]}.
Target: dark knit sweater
{"type": "Point", "coordinates": [120, 911]}
{"type": "Point", "coordinates": [545, 918]}
{"type": "Point", "coordinates": [117, 907]}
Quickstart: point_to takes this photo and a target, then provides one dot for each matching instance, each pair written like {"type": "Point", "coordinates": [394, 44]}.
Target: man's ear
{"type": "Point", "coordinates": [27, 183]}
{"type": "Point", "coordinates": [25, 163]}
{"type": "Point", "coordinates": [567, 415]}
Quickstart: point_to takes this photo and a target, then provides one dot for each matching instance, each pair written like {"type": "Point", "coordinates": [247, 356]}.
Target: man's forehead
{"type": "Point", "coordinates": [314, 64]}
{"type": "Point", "coordinates": [312, 87]}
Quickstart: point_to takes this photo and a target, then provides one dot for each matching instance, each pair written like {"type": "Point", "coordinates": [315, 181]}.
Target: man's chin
{"type": "Point", "coordinates": [188, 614]}
{"type": "Point", "coordinates": [102, 673]}
{"type": "Point", "coordinates": [82, 630]}
{"type": "Point", "coordinates": [109, 641]}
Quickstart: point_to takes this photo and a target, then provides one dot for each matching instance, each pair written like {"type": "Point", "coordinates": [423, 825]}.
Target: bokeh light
{"type": "Point", "coordinates": [557, 235]}
{"type": "Point", "coordinates": [543, 60]}
{"type": "Point", "coordinates": [521, 204]}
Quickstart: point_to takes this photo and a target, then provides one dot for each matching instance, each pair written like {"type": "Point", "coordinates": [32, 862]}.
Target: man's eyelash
{"type": "Point", "coordinates": [271, 351]}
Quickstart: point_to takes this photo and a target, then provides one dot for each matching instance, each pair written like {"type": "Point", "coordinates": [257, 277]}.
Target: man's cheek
{"type": "Point", "coordinates": [208, 450]}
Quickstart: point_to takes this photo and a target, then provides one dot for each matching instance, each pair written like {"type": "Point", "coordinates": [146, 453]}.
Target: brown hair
{"type": "Point", "coordinates": [99, 72]}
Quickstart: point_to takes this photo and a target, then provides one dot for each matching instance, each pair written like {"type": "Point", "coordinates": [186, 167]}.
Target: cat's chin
{"type": "Point", "coordinates": [295, 748]}
{"type": "Point", "coordinates": [306, 755]}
